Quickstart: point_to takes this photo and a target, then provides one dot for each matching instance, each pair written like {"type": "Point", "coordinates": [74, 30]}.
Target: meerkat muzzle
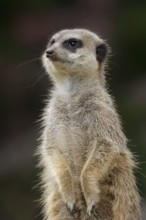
{"type": "Point", "coordinates": [49, 53]}
{"type": "Point", "coordinates": [52, 55]}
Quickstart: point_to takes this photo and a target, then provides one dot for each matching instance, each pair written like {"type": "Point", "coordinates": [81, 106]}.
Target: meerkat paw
{"type": "Point", "coordinates": [92, 202]}
{"type": "Point", "coordinates": [91, 192]}
{"type": "Point", "coordinates": [72, 208]}
{"type": "Point", "coordinates": [74, 204]}
{"type": "Point", "coordinates": [92, 198]}
{"type": "Point", "coordinates": [91, 208]}
{"type": "Point", "coordinates": [70, 201]}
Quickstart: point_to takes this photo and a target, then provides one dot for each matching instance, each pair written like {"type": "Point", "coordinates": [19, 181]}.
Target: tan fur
{"type": "Point", "coordinates": [87, 167]}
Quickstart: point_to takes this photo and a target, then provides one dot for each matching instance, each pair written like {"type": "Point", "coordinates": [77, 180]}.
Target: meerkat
{"type": "Point", "coordinates": [87, 167]}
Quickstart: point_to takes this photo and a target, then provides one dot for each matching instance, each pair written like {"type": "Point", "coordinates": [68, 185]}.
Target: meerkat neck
{"type": "Point", "coordinates": [73, 85]}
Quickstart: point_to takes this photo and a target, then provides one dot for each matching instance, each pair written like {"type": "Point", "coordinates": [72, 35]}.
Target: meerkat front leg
{"type": "Point", "coordinates": [62, 175]}
{"type": "Point", "coordinates": [94, 169]}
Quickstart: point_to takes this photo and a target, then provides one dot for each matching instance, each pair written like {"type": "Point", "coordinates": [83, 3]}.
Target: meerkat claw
{"type": "Point", "coordinates": [71, 208]}
{"type": "Point", "coordinates": [94, 209]}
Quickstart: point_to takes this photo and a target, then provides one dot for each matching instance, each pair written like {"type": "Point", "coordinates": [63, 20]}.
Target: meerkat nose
{"type": "Point", "coordinates": [49, 53]}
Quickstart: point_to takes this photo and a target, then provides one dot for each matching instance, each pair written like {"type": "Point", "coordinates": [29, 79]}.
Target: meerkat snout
{"type": "Point", "coordinates": [52, 55]}
{"type": "Point", "coordinates": [49, 53]}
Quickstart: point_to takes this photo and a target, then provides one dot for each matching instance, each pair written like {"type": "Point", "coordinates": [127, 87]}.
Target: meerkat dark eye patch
{"type": "Point", "coordinates": [52, 42]}
{"type": "Point", "coordinates": [72, 44]}
{"type": "Point", "coordinates": [101, 52]}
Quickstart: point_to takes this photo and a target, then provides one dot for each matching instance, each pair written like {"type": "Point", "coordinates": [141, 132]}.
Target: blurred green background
{"type": "Point", "coordinates": [25, 27]}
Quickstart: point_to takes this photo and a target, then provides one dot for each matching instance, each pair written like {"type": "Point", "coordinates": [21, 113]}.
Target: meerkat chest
{"type": "Point", "coordinates": [72, 126]}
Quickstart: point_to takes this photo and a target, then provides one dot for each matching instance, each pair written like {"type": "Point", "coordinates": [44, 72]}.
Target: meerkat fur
{"type": "Point", "coordinates": [87, 167]}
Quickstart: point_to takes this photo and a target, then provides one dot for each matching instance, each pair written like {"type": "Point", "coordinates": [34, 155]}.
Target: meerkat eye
{"type": "Point", "coordinates": [73, 43]}
{"type": "Point", "coordinates": [52, 42]}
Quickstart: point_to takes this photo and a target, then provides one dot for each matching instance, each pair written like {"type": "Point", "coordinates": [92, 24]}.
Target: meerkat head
{"type": "Point", "coordinates": [75, 52]}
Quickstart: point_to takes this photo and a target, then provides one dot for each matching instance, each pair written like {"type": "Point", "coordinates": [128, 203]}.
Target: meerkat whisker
{"type": "Point", "coordinates": [27, 62]}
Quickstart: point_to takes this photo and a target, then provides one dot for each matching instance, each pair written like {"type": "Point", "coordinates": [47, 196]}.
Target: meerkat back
{"type": "Point", "coordinates": [87, 169]}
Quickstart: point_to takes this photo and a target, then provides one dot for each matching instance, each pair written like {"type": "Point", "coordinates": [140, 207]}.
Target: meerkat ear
{"type": "Point", "coordinates": [101, 52]}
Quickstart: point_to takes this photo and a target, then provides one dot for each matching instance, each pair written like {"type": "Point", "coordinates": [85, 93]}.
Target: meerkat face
{"type": "Point", "coordinates": [72, 52]}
